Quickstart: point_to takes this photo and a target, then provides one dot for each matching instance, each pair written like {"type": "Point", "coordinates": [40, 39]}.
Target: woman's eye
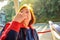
{"type": "Point", "coordinates": [27, 12]}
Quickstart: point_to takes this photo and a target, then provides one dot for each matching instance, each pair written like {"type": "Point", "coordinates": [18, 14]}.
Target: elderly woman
{"type": "Point", "coordinates": [20, 28]}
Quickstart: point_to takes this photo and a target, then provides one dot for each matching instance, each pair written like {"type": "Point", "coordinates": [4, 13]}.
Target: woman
{"type": "Point", "coordinates": [20, 27]}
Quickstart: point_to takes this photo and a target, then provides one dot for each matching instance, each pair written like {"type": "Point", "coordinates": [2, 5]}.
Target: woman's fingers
{"type": "Point", "coordinates": [20, 17]}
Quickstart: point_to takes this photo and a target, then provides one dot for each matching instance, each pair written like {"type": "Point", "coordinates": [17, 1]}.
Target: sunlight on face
{"type": "Point", "coordinates": [27, 11]}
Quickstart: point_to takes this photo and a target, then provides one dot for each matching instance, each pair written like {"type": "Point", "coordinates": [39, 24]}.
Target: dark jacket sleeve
{"type": "Point", "coordinates": [11, 32]}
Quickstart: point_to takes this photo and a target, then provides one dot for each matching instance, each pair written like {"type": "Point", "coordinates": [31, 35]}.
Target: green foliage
{"type": "Point", "coordinates": [9, 10]}
{"type": "Point", "coordinates": [46, 10]}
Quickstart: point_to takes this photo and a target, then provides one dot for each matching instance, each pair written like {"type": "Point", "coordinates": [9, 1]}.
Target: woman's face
{"type": "Point", "coordinates": [27, 11]}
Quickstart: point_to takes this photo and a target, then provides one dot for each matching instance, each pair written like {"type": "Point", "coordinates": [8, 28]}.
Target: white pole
{"type": "Point", "coordinates": [16, 5]}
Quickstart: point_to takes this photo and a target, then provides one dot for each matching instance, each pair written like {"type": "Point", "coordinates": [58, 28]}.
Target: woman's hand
{"type": "Point", "coordinates": [20, 17]}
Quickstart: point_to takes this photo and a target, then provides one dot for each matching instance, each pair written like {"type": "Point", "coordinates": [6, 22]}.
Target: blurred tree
{"type": "Point", "coordinates": [9, 10]}
{"type": "Point", "coordinates": [46, 10]}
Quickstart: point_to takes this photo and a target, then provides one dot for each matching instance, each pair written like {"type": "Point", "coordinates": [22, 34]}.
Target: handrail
{"type": "Point", "coordinates": [46, 31]}
{"type": "Point", "coordinates": [54, 33]}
